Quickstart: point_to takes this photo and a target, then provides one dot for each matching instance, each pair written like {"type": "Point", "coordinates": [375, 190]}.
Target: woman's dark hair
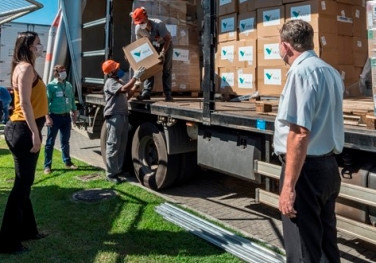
{"type": "Point", "coordinates": [298, 33]}
{"type": "Point", "coordinates": [22, 50]}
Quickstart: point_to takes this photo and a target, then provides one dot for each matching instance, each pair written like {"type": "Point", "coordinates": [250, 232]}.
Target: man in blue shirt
{"type": "Point", "coordinates": [5, 100]}
{"type": "Point", "coordinates": [61, 103]}
{"type": "Point", "coordinates": [308, 132]}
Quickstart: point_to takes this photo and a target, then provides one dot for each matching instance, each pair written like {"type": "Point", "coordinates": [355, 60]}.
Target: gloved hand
{"type": "Point", "coordinates": [162, 57]}
{"type": "Point", "coordinates": [139, 72]}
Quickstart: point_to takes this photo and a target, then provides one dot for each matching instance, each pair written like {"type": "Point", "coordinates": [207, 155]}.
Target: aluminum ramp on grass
{"type": "Point", "coordinates": [236, 245]}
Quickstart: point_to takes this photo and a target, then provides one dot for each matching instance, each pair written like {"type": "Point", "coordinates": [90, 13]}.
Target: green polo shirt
{"type": "Point", "coordinates": [60, 97]}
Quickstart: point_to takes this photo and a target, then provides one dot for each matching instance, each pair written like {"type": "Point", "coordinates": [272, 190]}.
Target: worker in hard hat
{"type": "Point", "coordinates": [116, 115]}
{"type": "Point", "coordinates": [161, 39]}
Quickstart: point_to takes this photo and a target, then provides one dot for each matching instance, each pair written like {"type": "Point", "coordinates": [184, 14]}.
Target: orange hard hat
{"type": "Point", "coordinates": [109, 66]}
{"type": "Point", "coordinates": [138, 15]}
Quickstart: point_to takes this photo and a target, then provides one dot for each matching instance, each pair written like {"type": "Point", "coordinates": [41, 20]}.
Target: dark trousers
{"type": "Point", "coordinates": [63, 124]}
{"type": "Point", "coordinates": [166, 76]}
{"type": "Point", "coordinates": [312, 235]}
{"type": "Point", "coordinates": [18, 220]}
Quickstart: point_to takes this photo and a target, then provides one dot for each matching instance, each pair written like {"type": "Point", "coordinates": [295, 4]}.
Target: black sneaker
{"type": "Point", "coordinates": [169, 98]}
{"type": "Point", "coordinates": [143, 97]}
{"type": "Point", "coordinates": [116, 180]}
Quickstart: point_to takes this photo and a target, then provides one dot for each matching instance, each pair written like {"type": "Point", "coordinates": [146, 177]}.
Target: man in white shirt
{"type": "Point", "coordinates": [308, 132]}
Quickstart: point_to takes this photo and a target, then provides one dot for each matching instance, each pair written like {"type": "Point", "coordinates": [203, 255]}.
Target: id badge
{"type": "Point", "coordinates": [67, 100]}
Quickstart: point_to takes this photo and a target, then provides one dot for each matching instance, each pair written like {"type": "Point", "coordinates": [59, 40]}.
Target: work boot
{"type": "Point", "coordinates": [144, 96]}
{"type": "Point", "coordinates": [169, 98]}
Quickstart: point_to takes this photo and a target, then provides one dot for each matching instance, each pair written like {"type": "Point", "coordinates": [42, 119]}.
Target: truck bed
{"type": "Point", "coordinates": [243, 116]}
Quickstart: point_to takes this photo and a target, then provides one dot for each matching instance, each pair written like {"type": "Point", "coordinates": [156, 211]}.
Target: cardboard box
{"type": "Point", "coordinates": [246, 6]}
{"type": "Point", "coordinates": [268, 52]}
{"type": "Point", "coordinates": [360, 21]}
{"type": "Point", "coordinates": [227, 7]}
{"type": "Point", "coordinates": [327, 48]}
{"type": "Point", "coordinates": [345, 50]}
{"type": "Point", "coordinates": [320, 14]}
{"type": "Point", "coordinates": [271, 80]}
{"type": "Point", "coordinates": [186, 75]}
{"type": "Point", "coordinates": [291, 1]}
{"type": "Point", "coordinates": [226, 80]}
{"type": "Point", "coordinates": [246, 54]}
{"type": "Point", "coordinates": [247, 25]}
{"type": "Point", "coordinates": [246, 81]}
{"type": "Point", "coordinates": [269, 21]}
{"type": "Point", "coordinates": [226, 54]}
{"type": "Point", "coordinates": [353, 2]}
{"type": "Point", "coordinates": [227, 28]}
{"type": "Point", "coordinates": [344, 19]}
{"type": "Point", "coordinates": [142, 53]}
{"type": "Point", "coordinates": [360, 51]}
{"type": "Point", "coordinates": [267, 3]}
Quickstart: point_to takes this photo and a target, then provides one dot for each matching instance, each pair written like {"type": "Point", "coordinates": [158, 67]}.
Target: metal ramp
{"type": "Point", "coordinates": [12, 9]}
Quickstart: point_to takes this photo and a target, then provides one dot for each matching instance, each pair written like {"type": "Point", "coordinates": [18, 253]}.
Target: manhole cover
{"type": "Point", "coordinates": [90, 177]}
{"type": "Point", "coordinates": [93, 195]}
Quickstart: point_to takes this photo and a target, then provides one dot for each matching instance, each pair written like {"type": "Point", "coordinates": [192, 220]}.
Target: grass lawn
{"type": "Point", "coordinates": [121, 229]}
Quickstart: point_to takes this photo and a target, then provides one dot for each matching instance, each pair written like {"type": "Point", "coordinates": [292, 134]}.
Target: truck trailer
{"type": "Point", "coordinates": [169, 141]}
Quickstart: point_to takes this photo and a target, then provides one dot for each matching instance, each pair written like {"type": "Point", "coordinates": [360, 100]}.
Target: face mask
{"type": "Point", "coordinates": [63, 75]}
{"type": "Point", "coordinates": [39, 51]}
{"type": "Point", "coordinates": [143, 26]}
{"type": "Point", "coordinates": [120, 73]}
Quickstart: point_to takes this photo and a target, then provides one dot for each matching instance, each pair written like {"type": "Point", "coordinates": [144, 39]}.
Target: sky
{"type": "Point", "coordinates": [43, 16]}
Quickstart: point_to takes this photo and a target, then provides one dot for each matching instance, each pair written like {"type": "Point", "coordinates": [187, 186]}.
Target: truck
{"type": "Point", "coordinates": [169, 141]}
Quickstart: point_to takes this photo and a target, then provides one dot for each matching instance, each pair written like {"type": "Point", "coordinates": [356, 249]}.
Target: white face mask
{"type": "Point", "coordinates": [143, 26]}
{"type": "Point", "coordinates": [39, 51]}
{"type": "Point", "coordinates": [62, 75]}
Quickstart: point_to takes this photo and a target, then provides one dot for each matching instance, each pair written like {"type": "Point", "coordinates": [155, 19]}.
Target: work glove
{"type": "Point", "coordinates": [162, 57]}
{"type": "Point", "coordinates": [139, 72]}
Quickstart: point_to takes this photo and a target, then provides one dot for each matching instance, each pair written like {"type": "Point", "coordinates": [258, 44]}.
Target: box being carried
{"type": "Point", "coordinates": [142, 53]}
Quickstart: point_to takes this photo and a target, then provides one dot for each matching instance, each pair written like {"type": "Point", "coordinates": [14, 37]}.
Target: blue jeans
{"type": "Point", "coordinates": [166, 76]}
{"type": "Point", "coordinates": [63, 124]}
{"type": "Point", "coordinates": [116, 144]}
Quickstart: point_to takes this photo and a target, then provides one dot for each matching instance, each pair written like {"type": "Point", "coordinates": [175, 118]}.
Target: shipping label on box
{"type": "Point", "coordinates": [271, 80]}
{"type": "Point", "coordinates": [273, 77]}
{"type": "Point", "coordinates": [228, 29]}
{"type": "Point", "coordinates": [226, 54]}
{"type": "Point", "coordinates": [227, 80]}
{"type": "Point", "coordinates": [245, 79]}
{"type": "Point", "coordinates": [246, 54]}
{"type": "Point", "coordinates": [180, 55]}
{"type": "Point", "coordinates": [269, 21]}
{"type": "Point", "coordinates": [247, 25]}
{"type": "Point", "coordinates": [268, 52]}
{"type": "Point", "coordinates": [320, 14]}
{"type": "Point", "coordinates": [142, 53]}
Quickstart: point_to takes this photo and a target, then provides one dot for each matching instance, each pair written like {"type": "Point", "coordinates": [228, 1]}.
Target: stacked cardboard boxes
{"type": "Point", "coordinates": [236, 51]}
{"type": "Point", "coordinates": [340, 39]}
{"type": "Point", "coordinates": [180, 18]}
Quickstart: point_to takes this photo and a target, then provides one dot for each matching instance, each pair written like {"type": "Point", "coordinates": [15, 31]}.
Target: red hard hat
{"type": "Point", "coordinates": [109, 66]}
{"type": "Point", "coordinates": [138, 15]}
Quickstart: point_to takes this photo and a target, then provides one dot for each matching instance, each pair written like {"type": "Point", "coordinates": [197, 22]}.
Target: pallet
{"type": "Point", "coordinates": [358, 112]}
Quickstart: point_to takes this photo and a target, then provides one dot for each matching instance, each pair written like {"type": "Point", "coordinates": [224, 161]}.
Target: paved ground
{"type": "Point", "coordinates": [230, 201]}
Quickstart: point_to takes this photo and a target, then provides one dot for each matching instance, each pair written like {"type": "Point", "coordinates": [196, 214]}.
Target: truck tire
{"type": "Point", "coordinates": [103, 140]}
{"type": "Point", "coordinates": [153, 167]}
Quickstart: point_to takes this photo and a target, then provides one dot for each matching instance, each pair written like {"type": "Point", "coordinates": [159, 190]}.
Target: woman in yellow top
{"type": "Point", "coordinates": [24, 139]}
